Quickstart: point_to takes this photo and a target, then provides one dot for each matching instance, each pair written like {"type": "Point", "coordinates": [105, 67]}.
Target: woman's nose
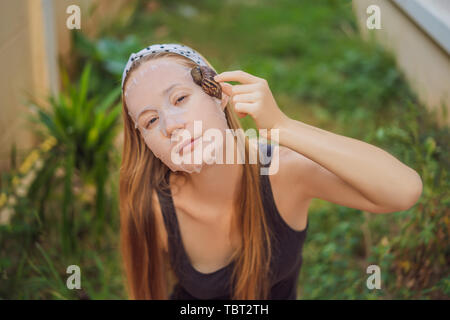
{"type": "Point", "coordinates": [173, 124]}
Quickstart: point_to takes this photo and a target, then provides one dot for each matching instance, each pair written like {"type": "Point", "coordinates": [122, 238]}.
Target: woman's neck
{"type": "Point", "coordinates": [217, 183]}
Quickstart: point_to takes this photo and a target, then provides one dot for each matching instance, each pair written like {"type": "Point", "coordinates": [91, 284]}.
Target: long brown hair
{"type": "Point", "coordinates": [141, 173]}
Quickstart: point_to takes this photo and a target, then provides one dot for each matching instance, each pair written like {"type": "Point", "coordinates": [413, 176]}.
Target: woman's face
{"type": "Point", "coordinates": [164, 102]}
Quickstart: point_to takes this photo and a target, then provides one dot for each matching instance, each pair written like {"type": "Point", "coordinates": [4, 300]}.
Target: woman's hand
{"type": "Point", "coordinates": [253, 97]}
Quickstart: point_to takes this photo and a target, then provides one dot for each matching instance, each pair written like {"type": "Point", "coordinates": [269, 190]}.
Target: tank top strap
{"type": "Point", "coordinates": [265, 151]}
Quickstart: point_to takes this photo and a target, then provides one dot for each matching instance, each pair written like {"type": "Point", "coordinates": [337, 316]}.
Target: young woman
{"type": "Point", "coordinates": [223, 230]}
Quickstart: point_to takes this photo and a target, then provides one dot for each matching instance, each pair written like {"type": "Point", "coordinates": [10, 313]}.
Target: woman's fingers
{"type": "Point", "coordinates": [244, 88]}
{"type": "Point", "coordinates": [243, 107]}
{"type": "Point", "coordinates": [238, 75]}
{"type": "Point", "coordinates": [245, 97]}
{"type": "Point", "coordinates": [252, 96]}
{"type": "Point", "coordinates": [227, 88]}
{"type": "Point", "coordinates": [240, 98]}
{"type": "Point", "coordinates": [242, 95]}
{"type": "Point", "coordinates": [231, 90]}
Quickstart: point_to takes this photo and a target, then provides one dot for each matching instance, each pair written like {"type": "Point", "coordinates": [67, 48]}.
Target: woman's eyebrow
{"type": "Point", "coordinates": [147, 108]}
{"type": "Point", "coordinates": [170, 88]}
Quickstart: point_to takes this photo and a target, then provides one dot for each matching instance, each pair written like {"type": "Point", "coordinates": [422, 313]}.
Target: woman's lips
{"type": "Point", "coordinates": [188, 145]}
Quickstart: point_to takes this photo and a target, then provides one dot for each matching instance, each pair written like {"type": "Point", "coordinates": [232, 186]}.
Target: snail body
{"type": "Point", "coordinates": [204, 77]}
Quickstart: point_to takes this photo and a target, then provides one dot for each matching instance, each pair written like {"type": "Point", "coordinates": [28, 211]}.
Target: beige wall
{"type": "Point", "coordinates": [425, 64]}
{"type": "Point", "coordinates": [29, 59]}
{"type": "Point", "coordinates": [16, 53]}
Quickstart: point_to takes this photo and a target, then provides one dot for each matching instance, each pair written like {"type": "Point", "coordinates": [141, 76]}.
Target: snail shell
{"type": "Point", "coordinates": [204, 77]}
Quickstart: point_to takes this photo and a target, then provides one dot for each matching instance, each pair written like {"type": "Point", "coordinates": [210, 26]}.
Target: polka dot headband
{"type": "Point", "coordinates": [166, 47]}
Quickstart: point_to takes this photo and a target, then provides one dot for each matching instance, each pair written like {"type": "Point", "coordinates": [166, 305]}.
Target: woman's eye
{"type": "Point", "coordinates": [149, 123]}
{"type": "Point", "coordinates": [180, 99]}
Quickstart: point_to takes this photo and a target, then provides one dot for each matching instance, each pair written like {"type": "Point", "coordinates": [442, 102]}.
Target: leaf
{"type": "Point", "coordinates": [83, 88]}
{"type": "Point", "coordinates": [430, 146]}
{"type": "Point", "coordinates": [49, 263]}
{"type": "Point", "coordinates": [92, 137]}
{"type": "Point", "coordinates": [108, 100]}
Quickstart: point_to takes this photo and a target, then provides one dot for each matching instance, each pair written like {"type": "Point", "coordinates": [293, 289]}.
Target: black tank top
{"type": "Point", "coordinates": [286, 262]}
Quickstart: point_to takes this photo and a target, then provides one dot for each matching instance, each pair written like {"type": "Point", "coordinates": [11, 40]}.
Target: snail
{"type": "Point", "coordinates": [204, 77]}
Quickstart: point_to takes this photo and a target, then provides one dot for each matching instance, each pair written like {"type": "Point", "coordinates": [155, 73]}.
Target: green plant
{"type": "Point", "coordinates": [107, 56]}
{"type": "Point", "coordinates": [84, 127]}
{"type": "Point", "coordinates": [418, 245]}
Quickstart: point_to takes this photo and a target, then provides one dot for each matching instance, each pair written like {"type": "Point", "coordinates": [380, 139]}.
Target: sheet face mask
{"type": "Point", "coordinates": [167, 118]}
